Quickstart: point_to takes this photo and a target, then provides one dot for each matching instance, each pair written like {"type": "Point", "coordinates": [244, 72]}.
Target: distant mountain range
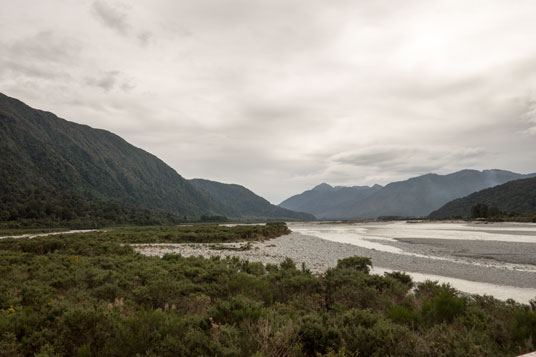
{"type": "Point", "coordinates": [517, 196]}
{"type": "Point", "coordinates": [56, 170]}
{"type": "Point", "coordinates": [325, 201]}
{"type": "Point", "coordinates": [415, 197]}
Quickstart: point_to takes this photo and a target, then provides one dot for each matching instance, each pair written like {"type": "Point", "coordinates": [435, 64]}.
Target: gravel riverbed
{"type": "Point", "coordinates": [319, 254]}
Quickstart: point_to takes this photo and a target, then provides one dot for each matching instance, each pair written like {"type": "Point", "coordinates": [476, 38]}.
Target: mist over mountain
{"type": "Point", "coordinates": [415, 197]}
{"type": "Point", "coordinates": [58, 170]}
{"type": "Point", "coordinates": [324, 199]}
{"type": "Point", "coordinates": [517, 196]}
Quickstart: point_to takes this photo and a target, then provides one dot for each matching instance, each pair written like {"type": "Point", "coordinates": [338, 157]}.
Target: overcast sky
{"type": "Point", "coordinates": [281, 95]}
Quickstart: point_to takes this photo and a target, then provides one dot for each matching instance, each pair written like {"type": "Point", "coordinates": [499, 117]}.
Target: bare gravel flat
{"type": "Point", "coordinates": [507, 252]}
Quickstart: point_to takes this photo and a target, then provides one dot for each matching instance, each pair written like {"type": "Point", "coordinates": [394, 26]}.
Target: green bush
{"type": "Point", "coordinates": [356, 263]}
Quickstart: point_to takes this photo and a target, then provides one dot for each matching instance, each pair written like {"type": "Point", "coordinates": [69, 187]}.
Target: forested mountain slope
{"type": "Point", "coordinates": [517, 196]}
{"type": "Point", "coordinates": [59, 171]}
{"type": "Point", "coordinates": [241, 202]}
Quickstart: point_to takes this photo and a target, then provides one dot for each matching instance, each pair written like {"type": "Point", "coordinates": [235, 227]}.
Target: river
{"type": "Point", "coordinates": [497, 259]}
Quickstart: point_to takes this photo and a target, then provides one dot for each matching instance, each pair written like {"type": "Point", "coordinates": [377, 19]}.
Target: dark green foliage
{"type": "Point", "coordinates": [49, 165]}
{"type": "Point", "coordinates": [481, 210]}
{"type": "Point", "coordinates": [78, 212]}
{"type": "Point", "coordinates": [444, 307]}
{"type": "Point", "coordinates": [350, 285]}
{"type": "Point", "coordinates": [319, 335]}
{"type": "Point", "coordinates": [92, 295]}
{"type": "Point", "coordinates": [509, 201]}
{"type": "Point", "coordinates": [401, 277]}
{"type": "Point", "coordinates": [213, 218]}
{"type": "Point", "coordinates": [355, 263]}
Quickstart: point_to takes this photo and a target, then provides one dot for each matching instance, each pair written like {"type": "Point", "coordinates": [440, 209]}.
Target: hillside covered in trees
{"type": "Point", "coordinates": [53, 171]}
{"type": "Point", "coordinates": [515, 197]}
{"type": "Point", "coordinates": [241, 202]}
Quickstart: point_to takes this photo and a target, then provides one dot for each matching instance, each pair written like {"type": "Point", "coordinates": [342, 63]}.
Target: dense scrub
{"type": "Point", "coordinates": [88, 294]}
{"type": "Point", "coordinates": [482, 211]}
{"type": "Point", "coordinates": [194, 233]}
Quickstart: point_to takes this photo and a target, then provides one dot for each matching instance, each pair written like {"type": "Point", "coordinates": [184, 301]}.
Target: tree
{"type": "Point", "coordinates": [480, 210]}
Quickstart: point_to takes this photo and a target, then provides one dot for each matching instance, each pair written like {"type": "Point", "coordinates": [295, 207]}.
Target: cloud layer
{"type": "Point", "coordinates": [282, 95]}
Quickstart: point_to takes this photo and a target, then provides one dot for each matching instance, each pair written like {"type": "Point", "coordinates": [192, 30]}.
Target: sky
{"type": "Point", "coordinates": [282, 95]}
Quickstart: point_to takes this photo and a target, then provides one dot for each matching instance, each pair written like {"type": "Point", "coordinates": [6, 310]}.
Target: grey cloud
{"type": "Point", "coordinates": [372, 156]}
{"type": "Point", "coordinates": [46, 46]}
{"type": "Point", "coordinates": [43, 55]}
{"type": "Point", "coordinates": [390, 154]}
{"type": "Point", "coordinates": [106, 81]}
{"type": "Point", "coordinates": [282, 95]}
{"type": "Point", "coordinates": [530, 131]}
{"type": "Point", "coordinates": [530, 114]}
{"type": "Point", "coordinates": [265, 111]}
{"type": "Point", "coordinates": [109, 80]}
{"type": "Point", "coordinates": [114, 17]}
{"type": "Point", "coordinates": [145, 37]}
{"type": "Point", "coordinates": [529, 117]}
{"type": "Point", "coordinates": [27, 69]}
{"type": "Point", "coordinates": [405, 161]}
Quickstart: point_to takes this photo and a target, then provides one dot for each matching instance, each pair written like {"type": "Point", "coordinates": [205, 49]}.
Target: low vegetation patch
{"type": "Point", "coordinates": [92, 295]}
{"type": "Point", "coordinates": [195, 233]}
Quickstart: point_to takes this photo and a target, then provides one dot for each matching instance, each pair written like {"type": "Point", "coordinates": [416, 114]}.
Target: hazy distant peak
{"type": "Point", "coordinates": [323, 187]}
{"type": "Point", "coordinates": [497, 171]}
{"type": "Point", "coordinates": [322, 199]}
{"type": "Point", "coordinates": [414, 197]}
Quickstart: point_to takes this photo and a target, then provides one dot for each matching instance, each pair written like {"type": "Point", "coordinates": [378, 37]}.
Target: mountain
{"type": "Point", "coordinates": [241, 202]}
{"type": "Point", "coordinates": [415, 197]}
{"type": "Point", "coordinates": [517, 196]}
{"type": "Point", "coordinates": [324, 199]}
{"type": "Point", "coordinates": [419, 196]}
{"type": "Point", "coordinates": [58, 170]}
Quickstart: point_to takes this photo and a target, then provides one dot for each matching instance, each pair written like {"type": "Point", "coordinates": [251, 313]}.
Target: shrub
{"type": "Point", "coordinates": [356, 263]}
{"type": "Point", "coordinates": [444, 307]}
{"type": "Point", "coordinates": [403, 278]}
{"type": "Point", "coordinates": [317, 336]}
{"type": "Point", "coordinates": [236, 310]}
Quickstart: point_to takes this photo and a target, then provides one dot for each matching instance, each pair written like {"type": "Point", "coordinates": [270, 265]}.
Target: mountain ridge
{"type": "Point", "coordinates": [311, 201]}
{"type": "Point", "coordinates": [415, 197]}
{"type": "Point", "coordinates": [49, 159]}
{"type": "Point", "coordinates": [242, 202]}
